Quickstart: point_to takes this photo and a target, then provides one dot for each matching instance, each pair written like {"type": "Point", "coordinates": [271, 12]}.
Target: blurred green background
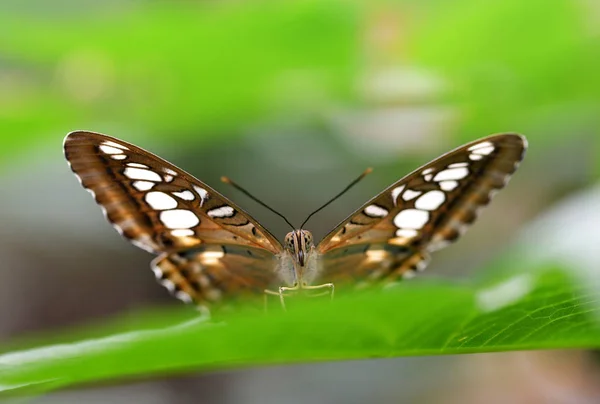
{"type": "Point", "coordinates": [292, 100]}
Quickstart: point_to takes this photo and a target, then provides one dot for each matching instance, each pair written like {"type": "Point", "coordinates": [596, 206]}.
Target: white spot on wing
{"type": "Point", "coordinates": [397, 191]}
{"type": "Point", "coordinates": [168, 284]}
{"type": "Point", "coordinates": [144, 242]}
{"type": "Point", "coordinates": [430, 200]}
{"type": "Point", "coordinates": [427, 171]}
{"type": "Point", "coordinates": [481, 149]}
{"type": "Point", "coordinates": [186, 195]}
{"type": "Point", "coordinates": [118, 156]}
{"type": "Point", "coordinates": [376, 255]}
{"type": "Point", "coordinates": [428, 177]}
{"type": "Point", "coordinates": [484, 150]}
{"type": "Point", "coordinates": [455, 165]}
{"type": "Point", "coordinates": [109, 149]}
{"type": "Point", "coordinates": [168, 178]}
{"type": "Point", "coordinates": [158, 273]}
{"type": "Point", "coordinates": [202, 192]}
{"type": "Point", "coordinates": [179, 219]}
{"type": "Point", "coordinates": [375, 211]}
{"type": "Point", "coordinates": [448, 185]}
{"type": "Point", "coordinates": [141, 174]}
{"type": "Point", "coordinates": [409, 274]}
{"type": "Point", "coordinates": [118, 228]}
{"type": "Point", "coordinates": [169, 171]}
{"type": "Point", "coordinates": [213, 254]}
{"type": "Point", "coordinates": [223, 211]}
{"type": "Point", "coordinates": [182, 232]}
{"type": "Point", "coordinates": [407, 233]}
{"type": "Point", "coordinates": [421, 265]}
{"type": "Point", "coordinates": [128, 224]}
{"type": "Point", "coordinates": [184, 297]}
{"type": "Point", "coordinates": [137, 165]}
{"type": "Point", "coordinates": [452, 174]}
{"type": "Point", "coordinates": [211, 257]}
{"type": "Point", "coordinates": [410, 194]}
{"type": "Point", "coordinates": [114, 144]}
{"type": "Point", "coordinates": [482, 145]}
{"type": "Point", "coordinates": [143, 185]}
{"type": "Point", "coordinates": [411, 219]}
{"type": "Point", "coordinates": [160, 200]}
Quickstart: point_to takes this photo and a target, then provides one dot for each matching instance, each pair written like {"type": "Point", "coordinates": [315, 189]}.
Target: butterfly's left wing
{"type": "Point", "coordinates": [154, 204]}
{"type": "Point", "coordinates": [210, 249]}
{"type": "Point", "coordinates": [392, 235]}
{"type": "Point", "coordinates": [213, 274]}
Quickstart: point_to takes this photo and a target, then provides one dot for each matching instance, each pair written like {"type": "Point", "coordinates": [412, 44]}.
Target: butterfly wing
{"type": "Point", "coordinates": [206, 273]}
{"type": "Point", "coordinates": [392, 234]}
{"type": "Point", "coordinates": [164, 210]}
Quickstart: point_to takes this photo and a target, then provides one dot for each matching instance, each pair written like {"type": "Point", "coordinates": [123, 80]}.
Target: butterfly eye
{"type": "Point", "coordinates": [307, 240]}
{"type": "Point", "coordinates": [289, 242]}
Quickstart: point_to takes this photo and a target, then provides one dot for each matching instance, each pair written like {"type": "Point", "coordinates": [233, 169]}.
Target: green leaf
{"type": "Point", "coordinates": [189, 70]}
{"type": "Point", "coordinates": [508, 67]}
{"type": "Point", "coordinates": [534, 297]}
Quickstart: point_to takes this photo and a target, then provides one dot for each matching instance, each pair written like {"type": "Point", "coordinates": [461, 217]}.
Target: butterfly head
{"type": "Point", "coordinates": [299, 244]}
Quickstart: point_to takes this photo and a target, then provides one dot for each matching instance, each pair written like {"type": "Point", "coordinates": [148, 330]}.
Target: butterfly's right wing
{"type": "Point", "coordinates": [392, 235]}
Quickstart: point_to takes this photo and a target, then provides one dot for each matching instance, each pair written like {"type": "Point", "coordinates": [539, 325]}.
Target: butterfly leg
{"type": "Point", "coordinates": [330, 286]}
{"type": "Point", "coordinates": [265, 301]}
{"type": "Point", "coordinates": [271, 293]}
{"type": "Point", "coordinates": [281, 298]}
{"type": "Point", "coordinates": [283, 289]}
{"type": "Point", "coordinates": [280, 293]}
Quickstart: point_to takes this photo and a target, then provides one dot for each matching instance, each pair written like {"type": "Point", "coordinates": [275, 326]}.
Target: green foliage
{"type": "Point", "coordinates": [541, 309]}
{"type": "Point", "coordinates": [532, 297]}
{"type": "Point", "coordinates": [187, 69]}
{"type": "Point", "coordinates": [196, 71]}
{"type": "Point", "coordinates": [526, 66]}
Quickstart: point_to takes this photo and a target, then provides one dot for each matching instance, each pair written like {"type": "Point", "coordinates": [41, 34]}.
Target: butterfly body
{"type": "Point", "coordinates": [210, 251]}
{"type": "Point", "coordinates": [301, 251]}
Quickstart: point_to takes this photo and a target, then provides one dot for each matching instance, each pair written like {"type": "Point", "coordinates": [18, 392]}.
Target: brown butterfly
{"type": "Point", "coordinates": [210, 251]}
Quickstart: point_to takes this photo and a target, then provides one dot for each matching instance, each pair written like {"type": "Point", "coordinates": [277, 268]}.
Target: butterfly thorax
{"type": "Point", "coordinates": [299, 260]}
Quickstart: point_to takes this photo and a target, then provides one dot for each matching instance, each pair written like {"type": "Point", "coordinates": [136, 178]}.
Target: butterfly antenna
{"type": "Point", "coordinates": [228, 180]}
{"type": "Point", "coordinates": [353, 183]}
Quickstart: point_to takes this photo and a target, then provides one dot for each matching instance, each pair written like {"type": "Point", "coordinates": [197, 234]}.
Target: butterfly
{"type": "Point", "coordinates": [210, 251]}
